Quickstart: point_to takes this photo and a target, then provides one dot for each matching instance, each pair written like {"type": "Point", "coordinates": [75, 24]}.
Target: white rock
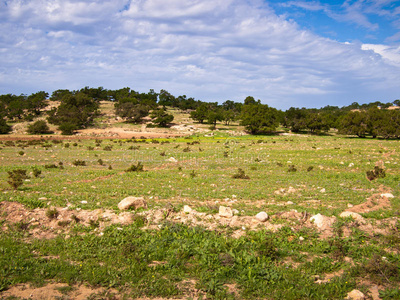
{"type": "Point", "coordinates": [289, 203]}
{"type": "Point", "coordinates": [235, 211]}
{"type": "Point", "coordinates": [262, 216]}
{"type": "Point", "coordinates": [187, 209]}
{"type": "Point", "coordinates": [354, 215]}
{"type": "Point", "coordinates": [349, 205]}
{"type": "Point", "coordinates": [387, 195]}
{"type": "Point", "coordinates": [322, 222]}
{"type": "Point", "coordinates": [351, 165]}
{"type": "Point", "coordinates": [301, 239]}
{"type": "Point", "coordinates": [84, 202]}
{"type": "Point", "coordinates": [172, 159]}
{"type": "Point", "coordinates": [225, 212]}
{"type": "Point", "coordinates": [355, 295]}
{"type": "Point", "coordinates": [132, 202]}
{"type": "Point", "coordinates": [322, 190]}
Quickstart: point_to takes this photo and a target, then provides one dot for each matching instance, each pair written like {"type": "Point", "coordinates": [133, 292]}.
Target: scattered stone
{"type": "Point", "coordinates": [43, 198]}
{"type": "Point", "coordinates": [172, 159]}
{"type": "Point", "coordinates": [289, 203]}
{"type": "Point", "coordinates": [187, 209]}
{"type": "Point", "coordinates": [349, 205]}
{"type": "Point", "coordinates": [322, 222]}
{"type": "Point", "coordinates": [132, 202]}
{"type": "Point", "coordinates": [351, 165]}
{"type": "Point", "coordinates": [354, 215]}
{"type": "Point", "coordinates": [235, 211]}
{"type": "Point", "coordinates": [322, 190]}
{"type": "Point", "coordinates": [387, 195]}
{"type": "Point", "coordinates": [262, 216]}
{"type": "Point", "coordinates": [355, 295]}
{"type": "Point", "coordinates": [84, 202]}
{"type": "Point", "coordinates": [225, 212]}
{"type": "Point", "coordinates": [301, 239]}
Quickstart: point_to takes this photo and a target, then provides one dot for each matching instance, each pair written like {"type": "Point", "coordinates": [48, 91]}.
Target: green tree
{"type": "Point", "coordinates": [161, 117]}
{"type": "Point", "coordinates": [133, 113]}
{"type": "Point", "coordinates": [354, 123]}
{"type": "Point", "coordinates": [4, 127]}
{"type": "Point", "coordinates": [200, 114]}
{"type": "Point", "coordinates": [39, 127]}
{"type": "Point", "coordinates": [259, 118]}
{"type": "Point", "coordinates": [37, 101]}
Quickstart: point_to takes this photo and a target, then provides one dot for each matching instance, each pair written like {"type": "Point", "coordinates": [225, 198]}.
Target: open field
{"type": "Point", "coordinates": [69, 233]}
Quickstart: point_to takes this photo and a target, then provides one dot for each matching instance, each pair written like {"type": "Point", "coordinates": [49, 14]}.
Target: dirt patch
{"type": "Point", "coordinates": [373, 203]}
{"type": "Point", "coordinates": [51, 291]}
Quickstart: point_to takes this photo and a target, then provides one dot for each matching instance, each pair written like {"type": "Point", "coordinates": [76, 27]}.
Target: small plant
{"type": "Point", "coordinates": [162, 153]}
{"type": "Point", "coordinates": [240, 174]}
{"type": "Point", "coordinates": [187, 149]}
{"type": "Point", "coordinates": [134, 148]}
{"type": "Point", "coordinates": [21, 152]}
{"type": "Point", "coordinates": [139, 220]}
{"type": "Point", "coordinates": [100, 161]}
{"type": "Point", "coordinates": [310, 168]}
{"type": "Point", "coordinates": [107, 148]}
{"type": "Point", "coordinates": [52, 213]}
{"type": "Point", "coordinates": [75, 219]}
{"type": "Point", "coordinates": [78, 162]}
{"type": "Point", "coordinates": [192, 174]}
{"type": "Point", "coordinates": [90, 148]}
{"type": "Point", "coordinates": [51, 166]}
{"type": "Point", "coordinates": [179, 168]}
{"type": "Point", "coordinates": [63, 223]}
{"type": "Point", "coordinates": [135, 168]}
{"type": "Point", "coordinates": [225, 153]}
{"type": "Point", "coordinates": [292, 168]}
{"type": "Point", "coordinates": [110, 167]}
{"type": "Point", "coordinates": [36, 172]}
{"type": "Point", "coordinates": [21, 226]}
{"type": "Point", "coordinates": [377, 172]}
{"type": "Point", "coordinates": [66, 145]}
{"type": "Point", "coordinates": [94, 223]}
{"type": "Point", "coordinates": [16, 178]}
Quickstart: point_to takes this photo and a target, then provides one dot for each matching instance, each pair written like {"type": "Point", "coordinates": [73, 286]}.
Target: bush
{"type": "Point", "coordinates": [16, 178]}
{"type": "Point", "coordinates": [39, 127]}
{"type": "Point", "coordinates": [240, 175]}
{"type": "Point", "coordinates": [135, 168]}
{"type": "Point", "coordinates": [67, 128]}
{"type": "Point", "coordinates": [4, 127]}
{"type": "Point", "coordinates": [377, 172]}
{"type": "Point", "coordinates": [36, 171]}
{"type": "Point", "coordinates": [78, 162]}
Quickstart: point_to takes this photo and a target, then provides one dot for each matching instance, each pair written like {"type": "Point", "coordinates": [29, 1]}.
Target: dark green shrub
{"type": "Point", "coordinates": [52, 213]}
{"type": "Point", "coordinates": [67, 128]}
{"type": "Point", "coordinates": [21, 152]}
{"type": "Point", "coordinates": [377, 172]}
{"type": "Point", "coordinates": [78, 162]}
{"type": "Point", "coordinates": [240, 175]}
{"type": "Point", "coordinates": [39, 127]}
{"type": "Point", "coordinates": [36, 171]}
{"type": "Point", "coordinates": [4, 127]}
{"type": "Point", "coordinates": [135, 168]}
{"type": "Point", "coordinates": [100, 161]}
{"type": "Point", "coordinates": [16, 178]}
{"type": "Point", "coordinates": [292, 168]}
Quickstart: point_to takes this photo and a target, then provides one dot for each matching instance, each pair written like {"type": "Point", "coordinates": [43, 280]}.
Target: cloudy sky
{"type": "Point", "coordinates": [286, 53]}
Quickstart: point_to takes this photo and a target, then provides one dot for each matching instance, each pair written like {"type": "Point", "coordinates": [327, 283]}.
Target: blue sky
{"type": "Point", "coordinates": [285, 53]}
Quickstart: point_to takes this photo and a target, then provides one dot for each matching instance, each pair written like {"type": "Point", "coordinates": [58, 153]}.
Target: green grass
{"type": "Point", "coordinates": [260, 264]}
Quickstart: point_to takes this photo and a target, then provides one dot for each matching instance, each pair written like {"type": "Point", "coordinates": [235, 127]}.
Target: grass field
{"type": "Point", "coordinates": [309, 174]}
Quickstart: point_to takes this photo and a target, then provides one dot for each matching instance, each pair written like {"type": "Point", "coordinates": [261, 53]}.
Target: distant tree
{"type": "Point", "coordinates": [133, 113]}
{"type": "Point", "coordinates": [354, 123]}
{"type": "Point", "coordinates": [75, 111]}
{"type": "Point", "coordinates": [39, 127]}
{"type": "Point", "coordinates": [295, 119]}
{"type": "Point", "coordinates": [201, 112]}
{"type": "Point", "coordinates": [316, 122]}
{"type": "Point", "coordinates": [259, 118]}
{"type": "Point", "coordinates": [165, 98]}
{"type": "Point", "coordinates": [36, 102]}
{"type": "Point", "coordinates": [161, 117]}
{"type": "Point", "coordinates": [214, 115]}
{"type": "Point", "coordinates": [4, 127]}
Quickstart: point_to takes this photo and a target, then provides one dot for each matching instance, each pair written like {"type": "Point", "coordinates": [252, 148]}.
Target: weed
{"type": "Point", "coordinates": [107, 148]}
{"type": "Point", "coordinates": [63, 223]}
{"type": "Point", "coordinates": [110, 167]}
{"type": "Point", "coordinates": [21, 152]}
{"type": "Point", "coordinates": [75, 218]}
{"type": "Point", "coordinates": [52, 213]}
{"type": "Point", "coordinates": [310, 168]}
{"type": "Point", "coordinates": [90, 148]}
{"type": "Point", "coordinates": [390, 294]}
{"type": "Point", "coordinates": [51, 166]}
{"type": "Point", "coordinates": [139, 220]}
{"type": "Point", "coordinates": [16, 178]}
{"type": "Point", "coordinates": [377, 172]}
{"type": "Point", "coordinates": [240, 174]}
{"type": "Point", "coordinates": [78, 162]}
{"type": "Point", "coordinates": [292, 168]}
{"type": "Point", "coordinates": [66, 145]}
{"type": "Point", "coordinates": [135, 168]}
{"type": "Point", "coordinates": [36, 171]}
{"type": "Point", "coordinates": [193, 174]}
{"type": "Point", "coordinates": [100, 161]}
{"type": "Point", "coordinates": [162, 153]}
{"type": "Point", "coordinates": [187, 149]}
{"type": "Point", "coordinates": [21, 226]}
{"type": "Point", "coordinates": [94, 223]}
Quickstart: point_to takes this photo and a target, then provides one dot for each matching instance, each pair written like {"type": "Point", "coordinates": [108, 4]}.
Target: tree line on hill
{"type": "Point", "coordinates": [78, 109]}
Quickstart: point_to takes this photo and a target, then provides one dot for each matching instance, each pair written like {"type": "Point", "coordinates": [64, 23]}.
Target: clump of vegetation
{"type": "Point", "coordinates": [100, 162]}
{"type": "Point", "coordinates": [377, 172]}
{"type": "Point", "coordinates": [139, 220]}
{"type": "Point", "coordinates": [192, 174]}
{"type": "Point", "coordinates": [16, 178]}
{"type": "Point", "coordinates": [52, 213]}
{"type": "Point", "coordinates": [90, 148]}
{"type": "Point", "coordinates": [310, 168]}
{"type": "Point", "coordinates": [135, 168]}
{"type": "Point", "coordinates": [78, 162]}
{"type": "Point", "coordinates": [21, 152]}
{"type": "Point", "coordinates": [4, 127]}
{"type": "Point", "coordinates": [107, 148]}
{"type": "Point", "coordinates": [51, 166]}
{"type": "Point", "coordinates": [39, 127]}
{"type": "Point", "coordinates": [292, 168]}
{"type": "Point", "coordinates": [187, 149]}
{"type": "Point", "coordinates": [240, 174]}
{"type": "Point", "coordinates": [36, 172]}
{"type": "Point", "coordinates": [162, 153]}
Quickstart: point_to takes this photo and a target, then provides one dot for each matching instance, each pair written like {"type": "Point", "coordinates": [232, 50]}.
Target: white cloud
{"type": "Point", "coordinates": [211, 50]}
